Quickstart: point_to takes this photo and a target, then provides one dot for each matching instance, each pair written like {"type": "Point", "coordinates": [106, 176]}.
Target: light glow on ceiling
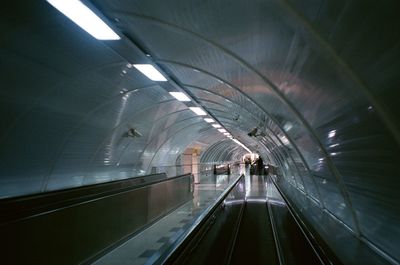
{"type": "Point", "coordinates": [284, 140]}
{"type": "Point", "coordinates": [150, 71]}
{"type": "Point", "coordinates": [209, 120]}
{"type": "Point", "coordinates": [85, 18]}
{"type": "Point", "coordinates": [287, 126]}
{"type": "Point", "coordinates": [242, 145]}
{"type": "Point", "coordinates": [222, 130]}
{"type": "Point", "coordinates": [180, 96]}
{"type": "Point", "coordinates": [198, 111]}
{"type": "Point", "coordinates": [216, 125]}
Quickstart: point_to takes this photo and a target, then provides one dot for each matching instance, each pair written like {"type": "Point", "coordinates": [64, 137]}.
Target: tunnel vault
{"type": "Point", "coordinates": [317, 79]}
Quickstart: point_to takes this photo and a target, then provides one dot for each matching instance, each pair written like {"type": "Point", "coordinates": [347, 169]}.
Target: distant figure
{"type": "Point", "coordinates": [247, 161]}
{"type": "Point", "coordinates": [260, 166]}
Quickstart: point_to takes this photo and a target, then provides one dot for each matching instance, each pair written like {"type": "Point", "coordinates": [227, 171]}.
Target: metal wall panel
{"type": "Point", "coordinates": [86, 227]}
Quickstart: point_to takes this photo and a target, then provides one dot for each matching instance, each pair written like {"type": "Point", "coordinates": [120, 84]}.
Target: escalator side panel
{"type": "Point", "coordinates": [214, 247]}
{"type": "Point", "coordinates": [295, 247]}
{"type": "Point", "coordinates": [213, 243]}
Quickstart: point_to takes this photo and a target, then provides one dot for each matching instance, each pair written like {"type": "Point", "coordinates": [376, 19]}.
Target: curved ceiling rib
{"type": "Point", "coordinates": [107, 137]}
{"type": "Point", "coordinates": [309, 85]}
{"type": "Point", "coordinates": [281, 129]}
{"type": "Point", "coordinates": [176, 123]}
{"type": "Point", "coordinates": [154, 125]}
{"type": "Point", "coordinates": [339, 180]}
{"type": "Point", "coordinates": [319, 201]}
{"type": "Point", "coordinates": [361, 86]}
{"type": "Point", "coordinates": [210, 155]}
{"type": "Point", "coordinates": [88, 115]}
{"type": "Point", "coordinates": [288, 154]}
{"type": "Point", "coordinates": [116, 127]}
{"type": "Point", "coordinates": [3, 135]}
{"type": "Point", "coordinates": [112, 131]}
{"type": "Point", "coordinates": [321, 148]}
{"type": "Point", "coordinates": [174, 136]}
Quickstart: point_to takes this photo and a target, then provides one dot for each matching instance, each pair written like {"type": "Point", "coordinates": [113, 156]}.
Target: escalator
{"type": "Point", "coordinates": [252, 225]}
{"type": "Point", "coordinates": [255, 230]}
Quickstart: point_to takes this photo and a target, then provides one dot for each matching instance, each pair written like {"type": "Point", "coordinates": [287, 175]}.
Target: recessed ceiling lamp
{"type": "Point", "coordinates": [222, 130]}
{"type": "Point", "coordinates": [198, 111]}
{"type": "Point", "coordinates": [150, 71]}
{"type": "Point", "coordinates": [226, 133]}
{"type": "Point", "coordinates": [332, 133]}
{"type": "Point", "coordinates": [85, 18]}
{"type": "Point", "coordinates": [180, 96]}
{"type": "Point", "coordinates": [216, 125]}
{"type": "Point", "coordinates": [209, 120]}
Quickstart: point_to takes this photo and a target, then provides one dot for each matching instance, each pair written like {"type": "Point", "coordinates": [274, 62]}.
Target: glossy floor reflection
{"type": "Point", "coordinates": [147, 246]}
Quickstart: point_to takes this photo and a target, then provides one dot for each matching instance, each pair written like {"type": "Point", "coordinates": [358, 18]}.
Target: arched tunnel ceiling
{"type": "Point", "coordinates": [318, 79]}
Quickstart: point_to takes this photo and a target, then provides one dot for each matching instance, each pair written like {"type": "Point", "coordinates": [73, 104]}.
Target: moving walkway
{"type": "Point", "coordinates": [252, 224]}
{"type": "Point", "coordinates": [224, 220]}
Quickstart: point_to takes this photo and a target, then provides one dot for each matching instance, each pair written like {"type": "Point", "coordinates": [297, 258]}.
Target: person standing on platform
{"type": "Point", "coordinates": [260, 166]}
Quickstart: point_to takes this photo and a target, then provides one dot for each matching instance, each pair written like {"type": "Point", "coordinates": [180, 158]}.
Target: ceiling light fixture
{"type": "Point", "coordinates": [209, 120]}
{"type": "Point", "coordinates": [332, 133]}
{"type": "Point", "coordinates": [150, 71]}
{"type": "Point", "coordinates": [180, 96]}
{"type": "Point", "coordinates": [198, 111]}
{"type": "Point", "coordinates": [222, 130]}
{"type": "Point", "coordinates": [85, 18]}
{"type": "Point", "coordinates": [216, 125]}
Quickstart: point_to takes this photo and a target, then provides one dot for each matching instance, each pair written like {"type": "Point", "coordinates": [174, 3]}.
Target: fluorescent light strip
{"type": "Point", "coordinates": [332, 133]}
{"type": "Point", "coordinates": [242, 145]}
{"type": "Point", "coordinates": [222, 130]}
{"type": "Point", "coordinates": [85, 18]}
{"type": "Point", "coordinates": [198, 111]}
{"type": "Point", "coordinates": [226, 133]}
{"type": "Point", "coordinates": [150, 71]}
{"type": "Point", "coordinates": [209, 120]}
{"type": "Point", "coordinates": [180, 96]}
{"type": "Point", "coordinates": [215, 125]}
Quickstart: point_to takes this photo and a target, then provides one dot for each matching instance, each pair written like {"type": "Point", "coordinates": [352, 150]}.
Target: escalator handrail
{"type": "Point", "coordinates": [18, 208]}
{"type": "Point", "coordinates": [276, 237]}
{"type": "Point", "coordinates": [303, 227]}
